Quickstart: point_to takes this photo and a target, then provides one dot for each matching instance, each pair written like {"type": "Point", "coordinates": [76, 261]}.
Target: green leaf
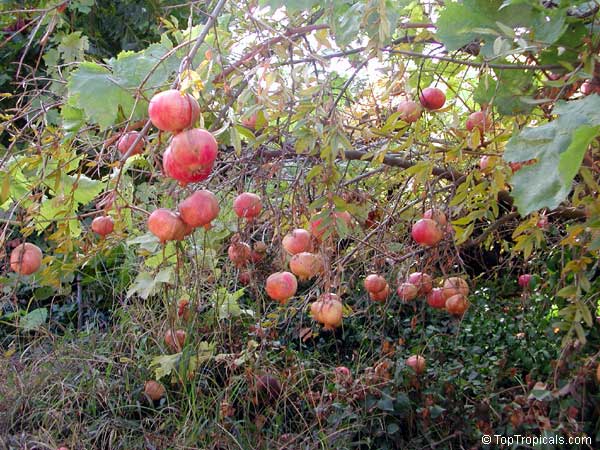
{"type": "Point", "coordinates": [164, 365]}
{"type": "Point", "coordinates": [145, 285]}
{"type": "Point", "coordinates": [290, 5]}
{"type": "Point", "coordinates": [73, 46]}
{"type": "Point", "coordinates": [34, 319]}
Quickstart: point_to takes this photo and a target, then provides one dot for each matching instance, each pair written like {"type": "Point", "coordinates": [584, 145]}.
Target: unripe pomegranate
{"type": "Point", "coordinates": [154, 390]}
{"type": "Point", "coordinates": [239, 253]}
{"type": "Point", "coordinates": [103, 225]}
{"type": "Point", "coordinates": [172, 110]}
{"type": "Point", "coordinates": [194, 152]}
{"type": "Point", "coordinates": [416, 363]}
{"type": "Point", "coordinates": [525, 280]}
{"type": "Point", "coordinates": [247, 205]}
{"type": "Point", "coordinates": [175, 340]}
{"type": "Point", "coordinates": [297, 241]}
{"type": "Point", "coordinates": [127, 141]}
{"type": "Point", "coordinates": [457, 304]}
{"type": "Point", "coordinates": [281, 286]}
{"type": "Point", "coordinates": [409, 111]}
{"type": "Point", "coordinates": [437, 215]}
{"type": "Point", "coordinates": [436, 298]}
{"type": "Point", "coordinates": [306, 265]}
{"type": "Point", "coordinates": [26, 259]}
{"type": "Point", "coordinates": [380, 296]}
{"type": "Point", "coordinates": [407, 291]}
{"type": "Point", "coordinates": [455, 285]}
{"type": "Point", "coordinates": [199, 209]}
{"type": "Point", "coordinates": [331, 314]}
{"type": "Point", "coordinates": [166, 225]}
{"type": "Point", "coordinates": [422, 281]}
{"type": "Point", "coordinates": [479, 120]}
{"type": "Point", "coordinates": [375, 283]}
{"type": "Point", "coordinates": [432, 98]}
{"type": "Point", "coordinates": [426, 232]}
{"type": "Point", "coordinates": [317, 228]}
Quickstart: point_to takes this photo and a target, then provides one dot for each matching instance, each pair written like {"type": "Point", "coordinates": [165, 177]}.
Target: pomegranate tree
{"type": "Point", "coordinates": [306, 265]}
{"type": "Point", "coordinates": [410, 111]}
{"type": "Point", "coordinates": [199, 209]}
{"type": "Point", "coordinates": [26, 259]}
{"type": "Point", "coordinates": [175, 339]}
{"type": "Point", "coordinates": [427, 232]}
{"type": "Point", "coordinates": [173, 110]}
{"type": "Point", "coordinates": [416, 363]}
{"type": "Point", "coordinates": [247, 205]}
{"type": "Point", "coordinates": [297, 241]}
{"type": "Point", "coordinates": [166, 225]}
{"type": "Point", "coordinates": [281, 286]}
{"type": "Point", "coordinates": [127, 140]}
{"type": "Point", "coordinates": [432, 98]}
{"type": "Point", "coordinates": [103, 225]}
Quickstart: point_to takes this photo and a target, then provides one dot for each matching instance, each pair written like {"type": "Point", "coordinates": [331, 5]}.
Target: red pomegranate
{"type": "Point", "coordinates": [416, 363]}
{"type": "Point", "coordinates": [437, 215]}
{"type": "Point", "coordinates": [410, 111]}
{"type": "Point", "coordinates": [167, 225]}
{"type": "Point", "coordinates": [407, 291]}
{"type": "Point", "coordinates": [173, 110]}
{"type": "Point", "coordinates": [103, 225]}
{"type": "Point", "coordinates": [375, 283]}
{"type": "Point", "coordinates": [297, 241]}
{"type": "Point", "coordinates": [247, 205]}
{"type": "Point", "coordinates": [380, 296]}
{"type": "Point", "coordinates": [426, 232]}
{"type": "Point", "coordinates": [199, 209]}
{"type": "Point", "coordinates": [281, 286]}
{"type": "Point", "coordinates": [306, 265]}
{"type": "Point", "coordinates": [193, 152]}
{"type": "Point", "coordinates": [182, 173]}
{"type": "Point", "coordinates": [525, 280]}
{"type": "Point", "coordinates": [239, 253]}
{"type": "Point", "coordinates": [422, 281]}
{"type": "Point", "coordinates": [455, 285]}
{"type": "Point", "coordinates": [26, 259]}
{"type": "Point", "coordinates": [154, 390]}
{"type": "Point", "coordinates": [479, 120]}
{"type": "Point", "coordinates": [249, 121]}
{"type": "Point", "coordinates": [432, 98]}
{"type": "Point", "coordinates": [436, 298]}
{"type": "Point", "coordinates": [127, 141]}
{"type": "Point", "coordinates": [457, 304]}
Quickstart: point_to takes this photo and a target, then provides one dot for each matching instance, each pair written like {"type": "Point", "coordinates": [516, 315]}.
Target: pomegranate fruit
{"type": "Point", "coordinates": [380, 296]}
{"type": "Point", "coordinates": [331, 314]}
{"type": "Point", "coordinates": [416, 363]}
{"type": "Point", "coordinates": [154, 390]}
{"type": "Point", "coordinates": [542, 222]}
{"type": "Point", "coordinates": [167, 225]}
{"type": "Point", "coordinates": [478, 120]}
{"type": "Point", "coordinates": [318, 229]}
{"type": "Point", "coordinates": [484, 163]}
{"type": "Point", "coordinates": [175, 340]}
{"type": "Point", "coordinates": [436, 215]}
{"type": "Point", "coordinates": [103, 225]}
{"type": "Point", "coordinates": [281, 286]}
{"type": "Point", "coordinates": [183, 309]}
{"type": "Point", "coordinates": [426, 232]}
{"type": "Point", "coordinates": [342, 375]}
{"type": "Point", "coordinates": [436, 298]}
{"type": "Point", "coordinates": [172, 110]}
{"type": "Point", "coordinates": [127, 141]}
{"type": "Point", "coordinates": [259, 251]}
{"type": "Point", "coordinates": [191, 155]}
{"type": "Point", "coordinates": [249, 121]}
{"type": "Point", "coordinates": [410, 111]}
{"type": "Point", "coordinates": [239, 253]}
{"type": "Point", "coordinates": [245, 277]}
{"type": "Point", "coordinates": [199, 209]}
{"type": "Point", "coordinates": [306, 265]}
{"type": "Point", "coordinates": [375, 283]}
{"type": "Point", "coordinates": [457, 304]}
{"type": "Point", "coordinates": [297, 241]}
{"type": "Point", "coordinates": [455, 285]}
{"type": "Point", "coordinates": [525, 280]}
{"type": "Point", "coordinates": [432, 98]}
{"type": "Point", "coordinates": [407, 291]}
{"type": "Point", "coordinates": [182, 173]}
{"type": "Point", "coordinates": [247, 205]}
{"type": "Point", "coordinates": [422, 281]}
{"type": "Point", "coordinates": [26, 259]}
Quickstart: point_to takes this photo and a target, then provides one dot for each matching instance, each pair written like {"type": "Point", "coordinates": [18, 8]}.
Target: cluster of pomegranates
{"type": "Point", "coordinates": [431, 98]}
{"type": "Point", "coordinates": [452, 295]}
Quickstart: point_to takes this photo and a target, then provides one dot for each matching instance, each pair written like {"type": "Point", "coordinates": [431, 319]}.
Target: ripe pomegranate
{"type": "Point", "coordinates": [416, 363]}
{"type": "Point", "coordinates": [342, 375]}
{"type": "Point", "coordinates": [154, 390]}
{"type": "Point", "coordinates": [436, 298]}
{"type": "Point", "coordinates": [422, 281]}
{"type": "Point", "coordinates": [191, 156]}
{"type": "Point", "coordinates": [380, 296]}
{"type": "Point", "coordinates": [175, 340]}
{"type": "Point", "coordinates": [525, 280]}
{"type": "Point", "coordinates": [375, 283]}
{"type": "Point", "coordinates": [103, 225]}
{"type": "Point", "coordinates": [268, 388]}
{"type": "Point", "coordinates": [479, 120]}
{"type": "Point", "coordinates": [167, 225]}
{"type": "Point", "coordinates": [297, 241]}
{"type": "Point", "coordinates": [331, 314]}
{"type": "Point", "coordinates": [239, 253]}
{"type": "Point", "coordinates": [426, 232]}
{"type": "Point", "coordinates": [410, 111]}
{"type": "Point", "coordinates": [247, 205]}
{"type": "Point", "coordinates": [127, 141]}
{"type": "Point", "coordinates": [183, 309]}
{"type": "Point", "coordinates": [281, 286]}
{"type": "Point", "coordinates": [437, 215]}
{"type": "Point", "coordinates": [318, 229]}
{"type": "Point", "coordinates": [245, 277]}
{"type": "Point", "coordinates": [199, 209]}
{"type": "Point", "coordinates": [407, 291]}
{"type": "Point", "coordinates": [249, 121]}
{"type": "Point", "coordinates": [432, 98]}
{"type": "Point", "coordinates": [457, 304]}
{"type": "Point", "coordinates": [542, 222]}
{"type": "Point", "coordinates": [172, 110]}
{"type": "Point", "coordinates": [455, 285]}
{"type": "Point", "coordinates": [306, 265]}
{"type": "Point", "coordinates": [26, 259]}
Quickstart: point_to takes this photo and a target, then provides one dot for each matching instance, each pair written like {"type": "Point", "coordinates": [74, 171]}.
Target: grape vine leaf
{"type": "Point", "coordinates": [559, 148]}
{"type": "Point", "coordinates": [34, 319]}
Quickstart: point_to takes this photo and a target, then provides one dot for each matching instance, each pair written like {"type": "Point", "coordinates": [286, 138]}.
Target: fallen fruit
{"type": "Point", "coordinates": [175, 340]}
{"type": "Point", "coordinates": [154, 390]}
